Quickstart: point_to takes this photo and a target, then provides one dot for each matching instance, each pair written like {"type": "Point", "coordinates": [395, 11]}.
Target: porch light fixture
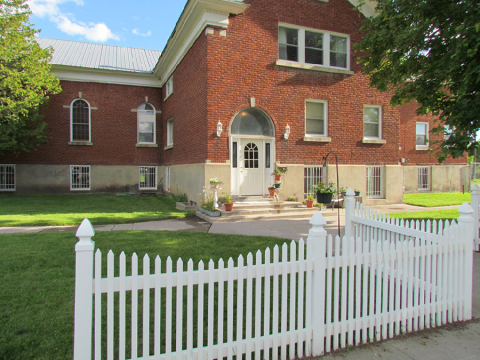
{"type": "Point", "coordinates": [287, 132]}
{"type": "Point", "coordinates": [219, 128]}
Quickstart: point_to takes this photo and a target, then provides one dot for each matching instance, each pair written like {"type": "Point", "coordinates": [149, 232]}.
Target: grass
{"type": "Point", "coordinates": [436, 199]}
{"type": "Point", "coordinates": [58, 210]}
{"type": "Point", "coordinates": [37, 272]}
{"type": "Point", "coordinates": [427, 215]}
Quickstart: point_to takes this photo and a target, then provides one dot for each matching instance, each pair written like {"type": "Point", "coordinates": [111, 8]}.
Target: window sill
{"type": "Point", "coordinates": [317, 138]}
{"type": "Point", "coordinates": [421, 147]}
{"type": "Point", "coordinates": [147, 145]}
{"type": "Point", "coordinates": [297, 65]}
{"type": "Point", "coordinates": [168, 96]}
{"type": "Point", "coordinates": [374, 141]}
{"type": "Point", "coordinates": [168, 147]}
{"type": "Point", "coordinates": [80, 143]}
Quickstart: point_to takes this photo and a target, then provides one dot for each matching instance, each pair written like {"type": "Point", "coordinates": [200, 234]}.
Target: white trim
{"type": "Point", "coordinates": [195, 17]}
{"type": "Point", "coordinates": [427, 131]}
{"type": "Point", "coordinates": [169, 133]}
{"type": "Point", "coordinates": [14, 179]}
{"type": "Point", "coordinates": [325, 118]}
{"type": "Point", "coordinates": [380, 118]}
{"type": "Point", "coordinates": [314, 67]}
{"type": "Point", "coordinates": [424, 171]}
{"type": "Point", "coordinates": [167, 178]}
{"type": "Point", "coordinates": [140, 178]}
{"type": "Point", "coordinates": [154, 126]}
{"type": "Point", "coordinates": [168, 88]}
{"type": "Point", "coordinates": [313, 138]}
{"type": "Point", "coordinates": [89, 142]}
{"type": "Point", "coordinates": [89, 178]}
{"type": "Point", "coordinates": [76, 73]}
{"type": "Point", "coordinates": [373, 141]}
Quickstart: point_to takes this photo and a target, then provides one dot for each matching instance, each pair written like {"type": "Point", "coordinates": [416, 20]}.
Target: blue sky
{"type": "Point", "coordinates": [143, 24]}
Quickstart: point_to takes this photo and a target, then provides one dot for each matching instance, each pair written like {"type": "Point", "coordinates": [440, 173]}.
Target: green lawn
{"type": "Point", "coordinates": [427, 215]}
{"type": "Point", "coordinates": [57, 210]}
{"type": "Point", "coordinates": [37, 272]}
{"type": "Point", "coordinates": [436, 199]}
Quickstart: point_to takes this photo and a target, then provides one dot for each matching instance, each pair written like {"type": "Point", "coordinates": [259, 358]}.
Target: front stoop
{"type": "Point", "coordinates": [257, 208]}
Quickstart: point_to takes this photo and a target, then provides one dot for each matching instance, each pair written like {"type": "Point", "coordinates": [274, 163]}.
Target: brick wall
{"type": "Point", "coordinates": [113, 127]}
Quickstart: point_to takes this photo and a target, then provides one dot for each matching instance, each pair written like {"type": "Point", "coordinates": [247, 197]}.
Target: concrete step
{"type": "Point", "coordinates": [266, 205]}
{"type": "Point", "coordinates": [263, 211]}
{"type": "Point", "coordinates": [253, 217]}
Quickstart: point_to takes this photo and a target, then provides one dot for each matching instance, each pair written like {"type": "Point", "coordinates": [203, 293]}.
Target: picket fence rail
{"type": "Point", "coordinates": [293, 302]}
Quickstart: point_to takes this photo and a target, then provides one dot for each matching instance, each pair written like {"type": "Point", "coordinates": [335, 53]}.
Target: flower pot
{"type": "Point", "coordinates": [278, 177]}
{"type": "Point", "coordinates": [309, 203]}
{"type": "Point", "coordinates": [229, 207]}
{"type": "Point", "coordinates": [214, 186]}
{"type": "Point", "coordinates": [357, 193]}
{"type": "Point", "coordinates": [277, 186]}
{"type": "Point", "coordinates": [324, 198]}
{"type": "Point", "coordinates": [272, 192]}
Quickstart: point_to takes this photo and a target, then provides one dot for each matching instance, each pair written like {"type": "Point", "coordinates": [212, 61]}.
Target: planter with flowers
{"type": "Point", "coordinates": [357, 192]}
{"type": "Point", "coordinates": [278, 174]}
{"type": "Point", "coordinates": [272, 190]}
{"type": "Point", "coordinates": [227, 200]}
{"type": "Point", "coordinates": [215, 183]}
{"type": "Point", "coordinates": [309, 201]}
{"type": "Point", "coordinates": [278, 184]}
{"type": "Point", "coordinates": [324, 192]}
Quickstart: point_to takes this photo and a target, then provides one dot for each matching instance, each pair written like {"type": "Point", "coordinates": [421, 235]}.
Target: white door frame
{"type": "Point", "coordinates": [266, 173]}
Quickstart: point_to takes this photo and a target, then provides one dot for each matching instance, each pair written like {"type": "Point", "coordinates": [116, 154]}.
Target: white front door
{"type": "Point", "coordinates": [251, 166]}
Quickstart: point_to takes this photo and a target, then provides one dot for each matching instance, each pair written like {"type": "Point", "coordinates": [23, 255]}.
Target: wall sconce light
{"type": "Point", "coordinates": [287, 132]}
{"type": "Point", "coordinates": [219, 128]}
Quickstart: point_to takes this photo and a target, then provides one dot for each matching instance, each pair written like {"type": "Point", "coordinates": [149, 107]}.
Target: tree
{"type": "Point", "coordinates": [429, 51]}
{"type": "Point", "coordinates": [25, 81]}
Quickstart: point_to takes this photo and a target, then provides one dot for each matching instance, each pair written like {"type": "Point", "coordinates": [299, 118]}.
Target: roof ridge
{"type": "Point", "coordinates": [96, 44]}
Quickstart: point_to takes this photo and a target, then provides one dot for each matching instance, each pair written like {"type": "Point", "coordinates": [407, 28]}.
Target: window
{"type": "Point", "coordinates": [170, 132]}
{"type": "Point", "coordinates": [169, 87]}
{"type": "Point", "coordinates": [80, 120]}
{"type": "Point", "coordinates": [147, 178]}
{"type": "Point", "coordinates": [312, 176]}
{"type": "Point", "coordinates": [146, 124]}
{"type": "Point", "coordinates": [250, 153]}
{"type": "Point", "coordinates": [7, 177]}
{"type": "Point", "coordinates": [316, 118]}
{"type": "Point", "coordinates": [372, 122]}
{"type": "Point", "coordinates": [423, 177]}
{"type": "Point", "coordinates": [375, 182]}
{"type": "Point", "coordinates": [422, 136]}
{"type": "Point", "coordinates": [79, 177]}
{"type": "Point", "coordinates": [447, 131]}
{"type": "Point", "coordinates": [167, 178]}
{"type": "Point", "coordinates": [313, 47]}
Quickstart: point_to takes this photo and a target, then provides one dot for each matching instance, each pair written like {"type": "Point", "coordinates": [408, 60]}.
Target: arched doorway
{"type": "Point", "coordinates": [252, 152]}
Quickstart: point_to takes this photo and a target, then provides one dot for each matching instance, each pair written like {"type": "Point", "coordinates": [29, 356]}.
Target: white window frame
{"type": "Point", "coordinates": [380, 118]}
{"type": "Point", "coordinates": [375, 182]}
{"type": "Point", "coordinates": [89, 122]}
{"type": "Point", "coordinates": [170, 132]}
{"type": "Point", "coordinates": [72, 185]}
{"type": "Point", "coordinates": [167, 178]}
{"type": "Point", "coordinates": [423, 171]}
{"type": "Point", "coordinates": [154, 121]}
{"type": "Point", "coordinates": [326, 46]}
{"type": "Point", "coordinates": [325, 117]}
{"type": "Point", "coordinates": [427, 129]}
{"type": "Point", "coordinates": [154, 175]}
{"type": "Point", "coordinates": [3, 175]}
{"type": "Point", "coordinates": [169, 88]}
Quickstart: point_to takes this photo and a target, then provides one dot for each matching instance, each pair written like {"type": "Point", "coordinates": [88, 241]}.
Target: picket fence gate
{"type": "Point", "coordinates": [343, 292]}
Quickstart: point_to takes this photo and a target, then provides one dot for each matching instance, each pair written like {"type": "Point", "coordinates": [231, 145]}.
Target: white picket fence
{"type": "Point", "coordinates": [475, 201]}
{"type": "Point", "coordinates": [343, 292]}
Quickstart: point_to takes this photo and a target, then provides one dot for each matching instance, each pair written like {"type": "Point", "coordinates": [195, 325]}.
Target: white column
{"type": "Point", "coordinates": [349, 212]}
{"type": "Point", "coordinates": [466, 219]}
{"type": "Point", "coordinates": [474, 200]}
{"type": "Point", "coordinates": [82, 338]}
{"type": "Point", "coordinates": [316, 249]}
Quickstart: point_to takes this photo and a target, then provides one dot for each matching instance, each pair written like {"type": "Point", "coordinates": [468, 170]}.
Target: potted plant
{"type": "Point", "coordinates": [343, 191]}
{"type": "Point", "coordinates": [321, 206]}
{"type": "Point", "coordinates": [324, 192]}
{"type": "Point", "coordinates": [227, 199]}
{"type": "Point", "coordinates": [292, 198]}
{"type": "Point", "coordinates": [272, 190]}
{"type": "Point", "coordinates": [357, 192]}
{"type": "Point", "coordinates": [278, 174]}
{"type": "Point", "coordinates": [215, 183]}
{"type": "Point", "coordinates": [309, 200]}
{"type": "Point", "coordinates": [278, 184]}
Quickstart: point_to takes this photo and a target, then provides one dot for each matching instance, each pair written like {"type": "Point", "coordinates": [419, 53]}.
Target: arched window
{"type": "Point", "coordinates": [252, 121]}
{"type": "Point", "coordinates": [80, 120]}
{"type": "Point", "coordinates": [146, 124]}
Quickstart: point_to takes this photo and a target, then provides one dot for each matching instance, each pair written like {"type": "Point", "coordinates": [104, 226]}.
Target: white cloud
{"type": "Point", "coordinates": [98, 32]}
{"type": "Point", "coordinates": [136, 32]}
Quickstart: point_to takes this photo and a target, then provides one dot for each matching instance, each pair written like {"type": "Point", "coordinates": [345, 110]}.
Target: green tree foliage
{"type": "Point", "coordinates": [429, 51]}
{"type": "Point", "coordinates": [25, 81]}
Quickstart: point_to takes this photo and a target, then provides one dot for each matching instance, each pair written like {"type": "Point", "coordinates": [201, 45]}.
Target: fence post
{"type": "Point", "coordinates": [316, 250]}
{"type": "Point", "coordinates": [349, 212]}
{"type": "Point", "coordinates": [474, 200]}
{"type": "Point", "coordinates": [82, 336]}
{"type": "Point", "coordinates": [466, 219]}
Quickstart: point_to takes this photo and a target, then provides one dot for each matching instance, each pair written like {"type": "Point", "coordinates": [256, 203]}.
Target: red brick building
{"type": "Point", "coordinates": [280, 79]}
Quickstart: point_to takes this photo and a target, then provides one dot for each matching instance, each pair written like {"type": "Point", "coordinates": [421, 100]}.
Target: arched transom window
{"type": "Point", "coordinates": [80, 120]}
{"type": "Point", "coordinates": [252, 121]}
{"type": "Point", "coordinates": [146, 124]}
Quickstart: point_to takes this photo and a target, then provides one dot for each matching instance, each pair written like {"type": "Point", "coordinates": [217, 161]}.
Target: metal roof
{"type": "Point", "coordinates": [99, 56]}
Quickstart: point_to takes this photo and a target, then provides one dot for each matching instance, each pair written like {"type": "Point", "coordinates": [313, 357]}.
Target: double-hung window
{"type": "Point", "coordinates": [422, 136]}
{"type": "Point", "coordinates": [80, 121]}
{"type": "Point", "coordinates": [316, 118]}
{"type": "Point", "coordinates": [146, 124]}
{"type": "Point", "coordinates": [308, 46]}
{"type": "Point", "coordinates": [169, 87]}
{"type": "Point", "coordinates": [170, 132]}
{"type": "Point", "coordinates": [372, 122]}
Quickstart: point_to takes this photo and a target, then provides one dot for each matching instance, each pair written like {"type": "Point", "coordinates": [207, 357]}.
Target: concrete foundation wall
{"type": "Point", "coordinates": [444, 178]}
{"type": "Point", "coordinates": [292, 182]}
{"type": "Point", "coordinates": [186, 179]}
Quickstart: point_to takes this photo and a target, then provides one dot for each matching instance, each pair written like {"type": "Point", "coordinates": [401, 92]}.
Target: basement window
{"type": "Point", "coordinates": [79, 177]}
{"type": "Point", "coordinates": [7, 177]}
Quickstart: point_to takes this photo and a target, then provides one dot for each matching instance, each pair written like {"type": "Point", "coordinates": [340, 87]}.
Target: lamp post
{"type": "Point", "coordinates": [338, 189]}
